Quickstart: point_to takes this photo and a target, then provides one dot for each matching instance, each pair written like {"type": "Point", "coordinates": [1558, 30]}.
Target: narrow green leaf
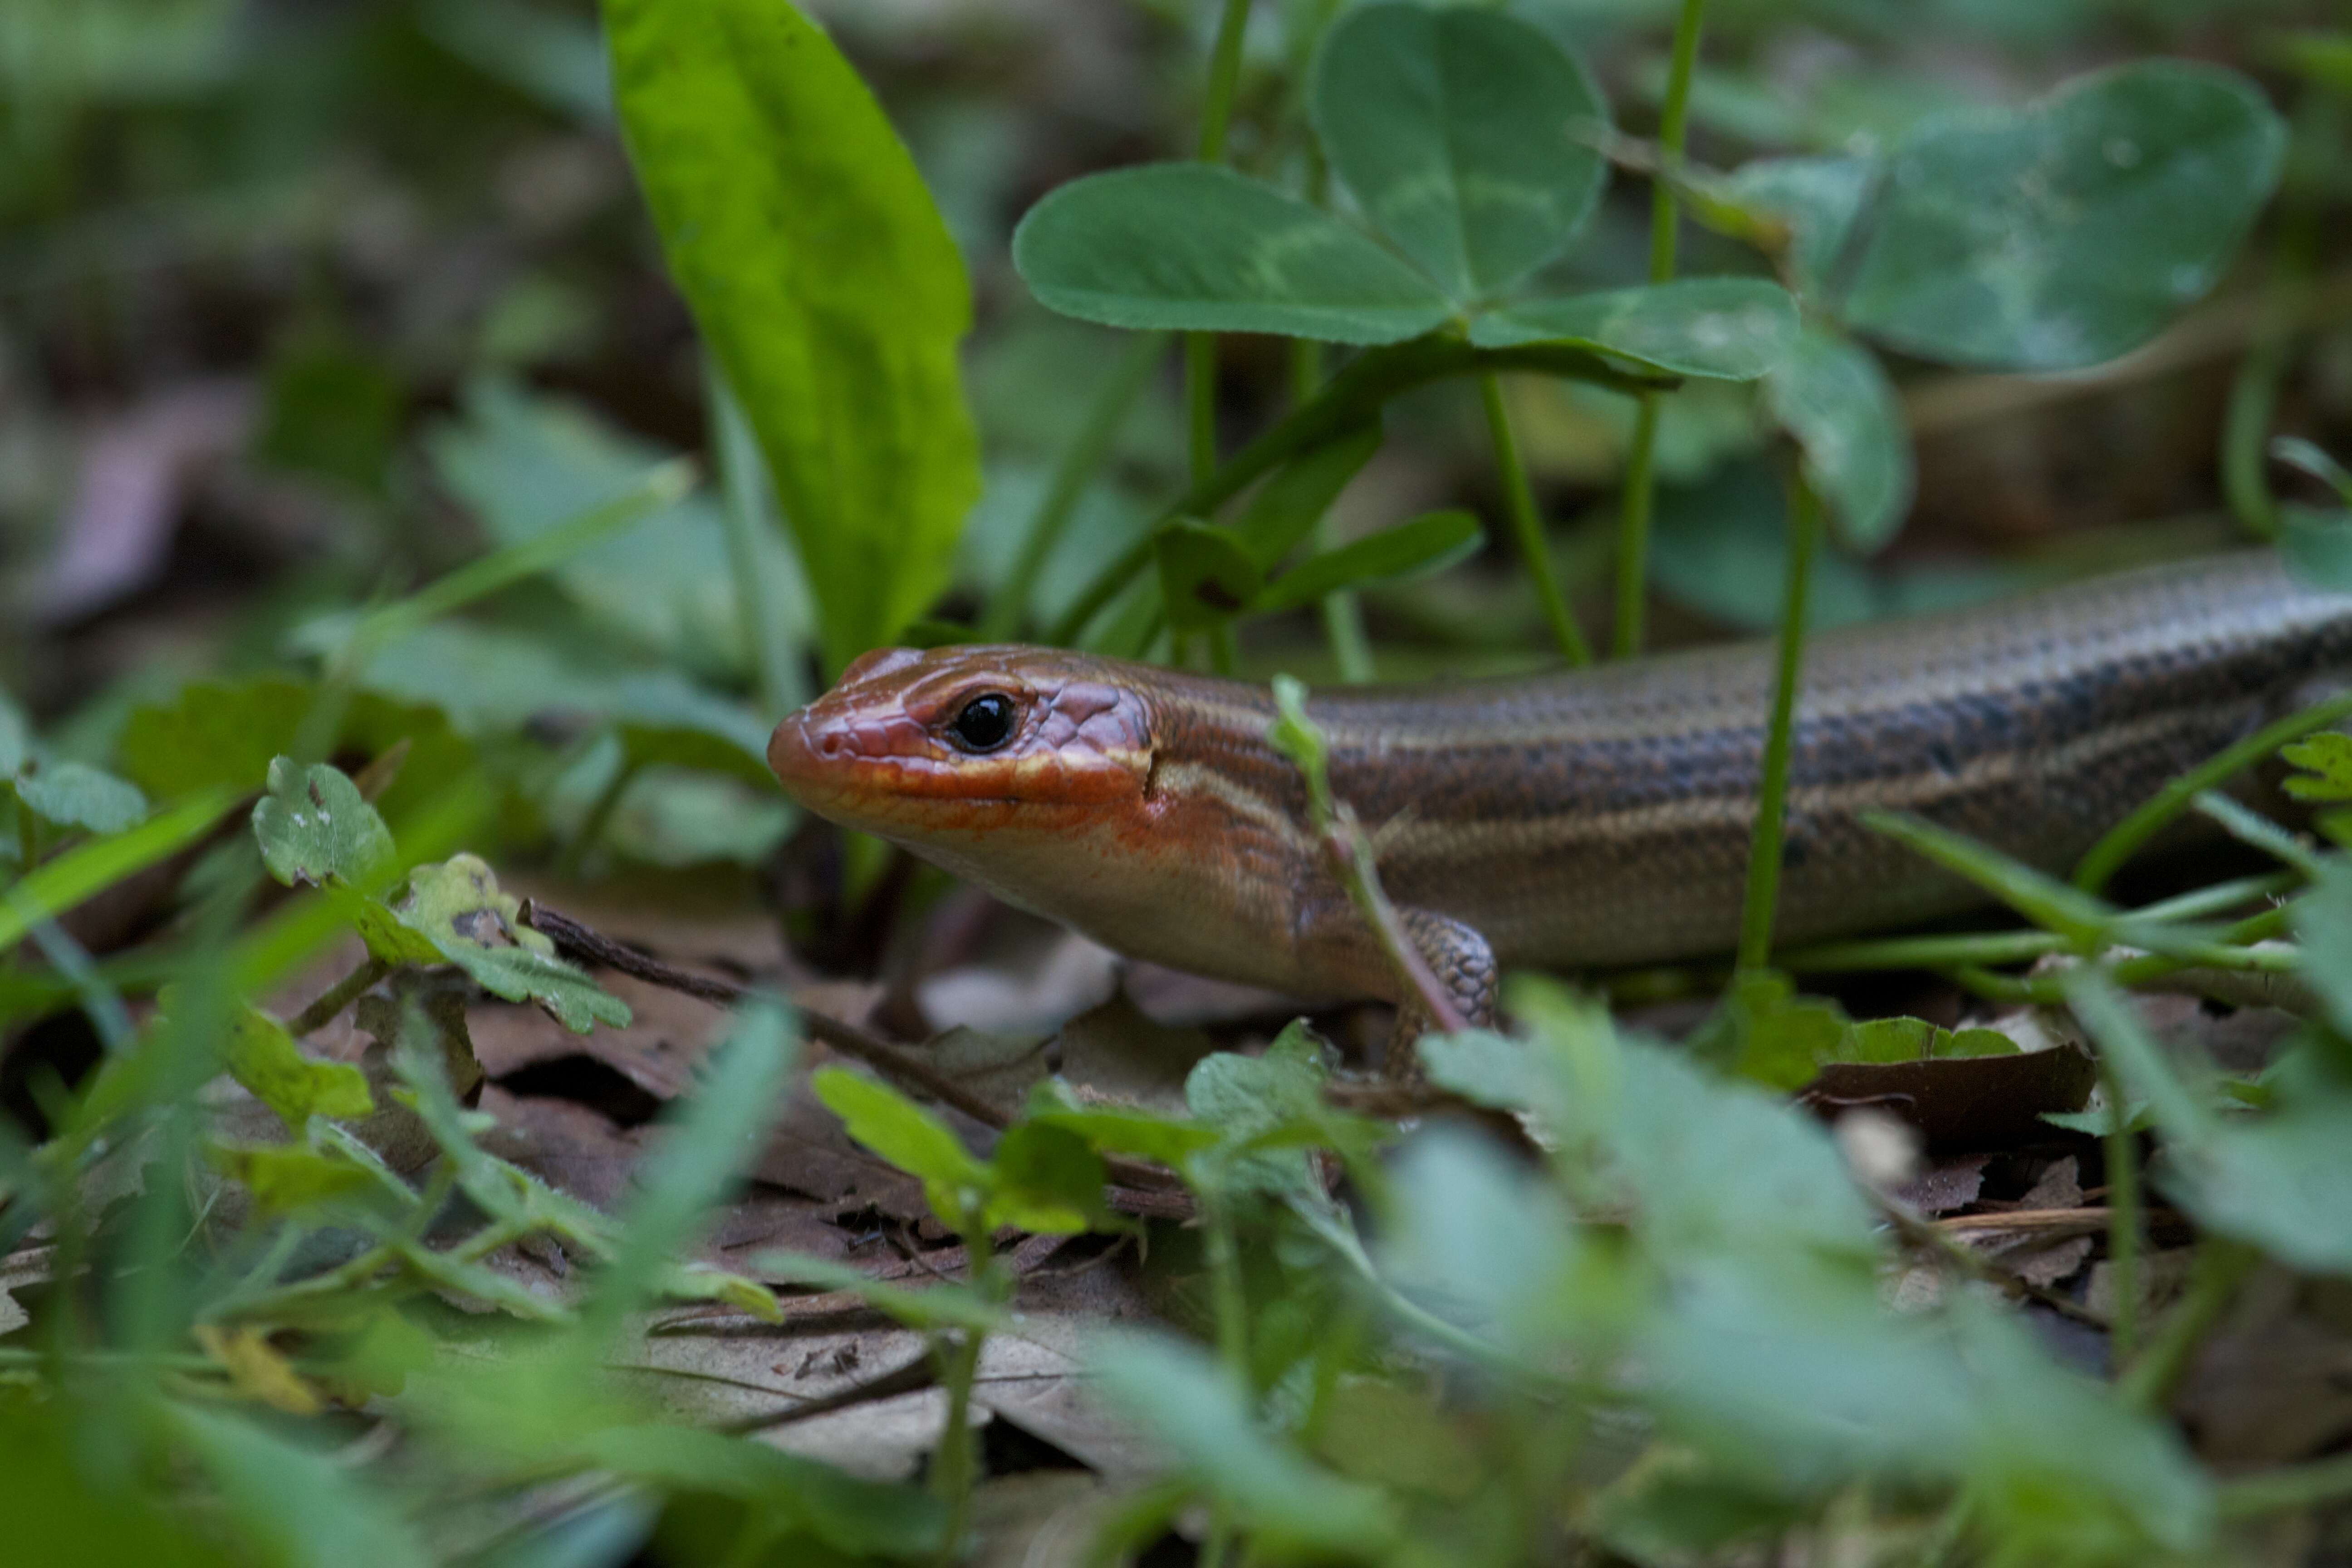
{"type": "Point", "coordinates": [1286, 508]}
{"type": "Point", "coordinates": [294, 1504]}
{"type": "Point", "coordinates": [1194, 247]}
{"type": "Point", "coordinates": [83, 872]}
{"type": "Point", "coordinates": [1831, 394]}
{"type": "Point", "coordinates": [2317, 546]}
{"type": "Point", "coordinates": [707, 1140]}
{"type": "Point", "coordinates": [2071, 230]}
{"type": "Point", "coordinates": [936, 1306]}
{"type": "Point", "coordinates": [2298, 453]}
{"type": "Point", "coordinates": [1206, 577]}
{"type": "Point", "coordinates": [787, 1493]}
{"type": "Point", "coordinates": [824, 280]}
{"type": "Point", "coordinates": [2046, 901]}
{"type": "Point", "coordinates": [1429, 542]}
{"type": "Point", "coordinates": [1472, 140]}
{"type": "Point", "coordinates": [1728, 329]}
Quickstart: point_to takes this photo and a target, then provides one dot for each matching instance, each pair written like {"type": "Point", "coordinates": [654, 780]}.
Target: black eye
{"type": "Point", "coordinates": [986, 721]}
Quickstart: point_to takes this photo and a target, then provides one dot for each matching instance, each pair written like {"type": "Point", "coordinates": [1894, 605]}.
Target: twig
{"type": "Point", "coordinates": [2087, 1221]}
{"type": "Point", "coordinates": [1937, 1238]}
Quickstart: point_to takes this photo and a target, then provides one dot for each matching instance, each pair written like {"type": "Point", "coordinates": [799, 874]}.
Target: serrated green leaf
{"type": "Point", "coordinates": [767, 164]}
{"type": "Point", "coordinates": [315, 828]}
{"type": "Point", "coordinates": [74, 795]}
{"type": "Point", "coordinates": [1472, 140]}
{"type": "Point", "coordinates": [263, 1057]}
{"type": "Point", "coordinates": [1731, 328]}
{"type": "Point", "coordinates": [460, 909]}
{"type": "Point", "coordinates": [1486, 1069]}
{"type": "Point", "coordinates": [2326, 760]}
{"type": "Point", "coordinates": [1247, 1098]}
{"type": "Point", "coordinates": [908, 1137]}
{"type": "Point", "coordinates": [1429, 542]}
{"type": "Point", "coordinates": [1831, 394]}
{"type": "Point", "coordinates": [2071, 230]}
{"type": "Point", "coordinates": [1194, 247]}
{"type": "Point", "coordinates": [285, 1178]}
{"type": "Point", "coordinates": [1206, 577]}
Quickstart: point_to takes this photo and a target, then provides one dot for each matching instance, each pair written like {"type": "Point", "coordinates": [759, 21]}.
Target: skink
{"type": "Point", "coordinates": [1593, 817]}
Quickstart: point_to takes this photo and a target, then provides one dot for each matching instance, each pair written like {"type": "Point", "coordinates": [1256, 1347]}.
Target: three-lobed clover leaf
{"type": "Point", "coordinates": [1473, 145]}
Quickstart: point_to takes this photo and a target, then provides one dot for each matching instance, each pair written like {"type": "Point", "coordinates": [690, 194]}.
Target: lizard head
{"type": "Point", "coordinates": [933, 748]}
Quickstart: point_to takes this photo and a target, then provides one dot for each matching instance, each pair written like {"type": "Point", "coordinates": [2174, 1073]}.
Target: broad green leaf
{"type": "Point", "coordinates": [263, 1057]}
{"type": "Point", "coordinates": [787, 1493]}
{"type": "Point", "coordinates": [1471, 140]}
{"type": "Point", "coordinates": [1286, 508]}
{"type": "Point", "coordinates": [2280, 1180]}
{"type": "Point", "coordinates": [224, 735]}
{"type": "Point", "coordinates": [1486, 1069]}
{"type": "Point", "coordinates": [1245, 1097]}
{"type": "Point", "coordinates": [75, 794]}
{"type": "Point", "coordinates": [1195, 247]}
{"type": "Point", "coordinates": [1206, 575]}
{"type": "Point", "coordinates": [1768, 1034]}
{"type": "Point", "coordinates": [708, 1140]}
{"type": "Point", "coordinates": [1916, 1039]}
{"type": "Point", "coordinates": [15, 735]}
{"type": "Point", "coordinates": [2317, 546]}
{"type": "Point", "coordinates": [1476, 1237]}
{"type": "Point", "coordinates": [460, 909]}
{"type": "Point", "coordinates": [822, 277]}
{"type": "Point", "coordinates": [1136, 1132]}
{"type": "Point", "coordinates": [2071, 230]}
{"type": "Point", "coordinates": [908, 1137]}
{"type": "Point", "coordinates": [1817, 200]}
{"type": "Point", "coordinates": [294, 1504]}
{"type": "Point", "coordinates": [315, 828]}
{"type": "Point", "coordinates": [945, 1305]}
{"type": "Point", "coordinates": [1832, 395]}
{"type": "Point", "coordinates": [1733, 329]}
{"type": "Point", "coordinates": [1047, 1179]}
{"type": "Point", "coordinates": [1189, 1405]}
{"type": "Point", "coordinates": [526, 463]}
{"type": "Point", "coordinates": [1429, 542]}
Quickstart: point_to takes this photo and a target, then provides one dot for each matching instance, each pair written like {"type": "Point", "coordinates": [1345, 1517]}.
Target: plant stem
{"type": "Point", "coordinates": [1343, 613]}
{"type": "Point", "coordinates": [955, 1470]}
{"type": "Point", "coordinates": [342, 994]}
{"type": "Point", "coordinates": [1351, 397]}
{"type": "Point", "coordinates": [1633, 523]}
{"type": "Point", "coordinates": [2108, 854]}
{"type": "Point", "coordinates": [1771, 798]}
{"type": "Point", "coordinates": [599, 817]}
{"type": "Point", "coordinates": [2221, 1266]}
{"type": "Point", "coordinates": [1519, 502]}
{"type": "Point", "coordinates": [1073, 472]}
{"type": "Point", "coordinates": [2298, 1486]}
{"type": "Point", "coordinates": [2123, 1221]}
{"type": "Point", "coordinates": [1200, 348]}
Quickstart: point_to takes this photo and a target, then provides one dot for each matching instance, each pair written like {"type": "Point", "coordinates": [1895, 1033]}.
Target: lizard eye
{"type": "Point", "coordinates": [986, 721]}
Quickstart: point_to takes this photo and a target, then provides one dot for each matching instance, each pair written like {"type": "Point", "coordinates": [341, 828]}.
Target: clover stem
{"type": "Point", "coordinates": [1527, 528]}
{"type": "Point", "coordinates": [1764, 850]}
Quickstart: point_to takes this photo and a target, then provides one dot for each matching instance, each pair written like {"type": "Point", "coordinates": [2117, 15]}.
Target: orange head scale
{"type": "Point", "coordinates": [937, 749]}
